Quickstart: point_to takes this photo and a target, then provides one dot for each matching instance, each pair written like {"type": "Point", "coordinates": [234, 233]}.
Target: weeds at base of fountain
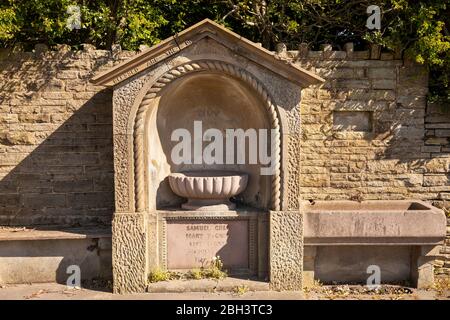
{"type": "Point", "coordinates": [214, 270]}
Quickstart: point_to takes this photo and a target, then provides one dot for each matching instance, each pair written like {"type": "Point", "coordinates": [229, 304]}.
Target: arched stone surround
{"type": "Point", "coordinates": [157, 88]}
{"type": "Point", "coordinates": [142, 221]}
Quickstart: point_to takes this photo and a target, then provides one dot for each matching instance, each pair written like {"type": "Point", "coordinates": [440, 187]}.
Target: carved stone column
{"type": "Point", "coordinates": [129, 252]}
{"type": "Point", "coordinates": [286, 250]}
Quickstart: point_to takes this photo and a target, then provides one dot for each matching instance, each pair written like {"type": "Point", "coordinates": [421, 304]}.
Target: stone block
{"type": "Point", "coordinates": [129, 248]}
{"type": "Point", "coordinates": [335, 55]}
{"type": "Point", "coordinates": [437, 125]}
{"type": "Point", "coordinates": [387, 166]}
{"type": "Point", "coordinates": [371, 95]}
{"type": "Point", "coordinates": [8, 118]}
{"type": "Point", "coordinates": [73, 186]}
{"type": "Point", "coordinates": [57, 95]}
{"type": "Point", "coordinates": [435, 180]}
{"type": "Point", "coordinates": [414, 179]}
{"type": "Point", "coordinates": [337, 73]}
{"type": "Point", "coordinates": [352, 121]}
{"type": "Point", "coordinates": [286, 250]}
{"type": "Point", "coordinates": [315, 180]}
{"type": "Point", "coordinates": [381, 73]}
{"type": "Point", "coordinates": [67, 74]}
{"type": "Point", "coordinates": [354, 84]}
{"type": "Point", "coordinates": [422, 268]}
{"type": "Point", "coordinates": [437, 165]}
{"type": "Point", "coordinates": [383, 84]}
{"type": "Point", "coordinates": [9, 200]}
{"type": "Point", "coordinates": [430, 149]}
{"type": "Point", "coordinates": [387, 56]}
{"type": "Point", "coordinates": [437, 141]}
{"type": "Point", "coordinates": [38, 201]}
{"type": "Point", "coordinates": [434, 118]}
{"type": "Point", "coordinates": [413, 102]}
{"type": "Point", "coordinates": [309, 257]}
{"type": "Point", "coordinates": [361, 55]}
{"type": "Point", "coordinates": [90, 199]}
{"type": "Point", "coordinates": [375, 51]}
{"type": "Point", "coordinates": [442, 133]}
{"type": "Point", "coordinates": [18, 138]}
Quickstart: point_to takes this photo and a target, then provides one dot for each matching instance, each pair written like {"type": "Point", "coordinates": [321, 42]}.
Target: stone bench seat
{"type": "Point", "coordinates": [28, 234]}
{"type": "Point", "coordinates": [43, 254]}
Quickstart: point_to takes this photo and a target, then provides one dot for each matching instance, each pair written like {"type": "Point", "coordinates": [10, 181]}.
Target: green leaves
{"type": "Point", "coordinates": [419, 29]}
{"type": "Point", "coordinates": [8, 25]}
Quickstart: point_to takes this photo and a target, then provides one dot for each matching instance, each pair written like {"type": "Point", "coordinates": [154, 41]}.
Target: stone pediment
{"type": "Point", "coordinates": [206, 29]}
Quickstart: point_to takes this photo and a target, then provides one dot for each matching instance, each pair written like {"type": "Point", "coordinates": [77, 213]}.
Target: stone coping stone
{"type": "Point", "coordinates": [228, 284]}
{"type": "Point", "coordinates": [371, 241]}
{"type": "Point", "coordinates": [52, 233]}
{"type": "Point", "coordinates": [238, 213]}
{"type": "Point", "coordinates": [239, 210]}
{"type": "Point", "coordinates": [367, 205]}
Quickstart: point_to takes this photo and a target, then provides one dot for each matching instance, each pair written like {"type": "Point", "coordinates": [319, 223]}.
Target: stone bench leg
{"type": "Point", "coordinates": [309, 264]}
{"type": "Point", "coordinates": [422, 270]}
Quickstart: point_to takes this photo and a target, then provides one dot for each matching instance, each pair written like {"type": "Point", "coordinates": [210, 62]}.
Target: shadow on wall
{"type": "Point", "coordinates": [401, 152]}
{"type": "Point", "coordinates": [56, 147]}
{"type": "Point", "coordinates": [400, 158]}
{"type": "Point", "coordinates": [55, 261]}
{"type": "Point", "coordinates": [413, 147]}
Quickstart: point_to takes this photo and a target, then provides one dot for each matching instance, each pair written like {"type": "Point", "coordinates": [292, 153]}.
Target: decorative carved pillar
{"type": "Point", "coordinates": [286, 250]}
{"type": "Point", "coordinates": [129, 252]}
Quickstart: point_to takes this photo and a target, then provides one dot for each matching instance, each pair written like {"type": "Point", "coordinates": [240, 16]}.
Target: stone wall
{"type": "Point", "coordinates": [56, 163]}
{"type": "Point", "coordinates": [405, 154]}
{"type": "Point", "coordinates": [392, 160]}
{"type": "Point", "coordinates": [437, 137]}
{"type": "Point", "coordinates": [56, 133]}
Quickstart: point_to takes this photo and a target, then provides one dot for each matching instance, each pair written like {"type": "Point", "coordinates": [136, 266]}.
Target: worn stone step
{"type": "Point", "coordinates": [208, 285]}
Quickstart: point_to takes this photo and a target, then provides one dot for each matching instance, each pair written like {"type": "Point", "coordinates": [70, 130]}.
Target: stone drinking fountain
{"type": "Point", "coordinates": [208, 75]}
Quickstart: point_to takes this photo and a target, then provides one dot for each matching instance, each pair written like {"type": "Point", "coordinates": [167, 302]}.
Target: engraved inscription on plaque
{"type": "Point", "coordinates": [193, 243]}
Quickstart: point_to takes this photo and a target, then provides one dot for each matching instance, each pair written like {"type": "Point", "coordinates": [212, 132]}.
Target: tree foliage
{"type": "Point", "coordinates": [415, 28]}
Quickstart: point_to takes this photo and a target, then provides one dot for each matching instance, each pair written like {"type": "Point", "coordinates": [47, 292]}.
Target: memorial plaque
{"type": "Point", "coordinates": [193, 243]}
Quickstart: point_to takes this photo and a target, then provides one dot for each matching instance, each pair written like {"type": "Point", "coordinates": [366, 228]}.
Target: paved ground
{"type": "Point", "coordinates": [51, 291]}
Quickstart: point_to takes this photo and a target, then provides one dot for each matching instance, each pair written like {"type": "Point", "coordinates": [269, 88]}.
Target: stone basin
{"type": "Point", "coordinates": [208, 190]}
{"type": "Point", "coordinates": [411, 222]}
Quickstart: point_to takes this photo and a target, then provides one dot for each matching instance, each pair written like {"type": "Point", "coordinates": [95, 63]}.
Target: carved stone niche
{"type": "Point", "coordinates": [209, 75]}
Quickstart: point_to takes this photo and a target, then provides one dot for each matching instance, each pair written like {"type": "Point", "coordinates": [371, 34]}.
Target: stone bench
{"type": "Point", "coordinates": [43, 255]}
